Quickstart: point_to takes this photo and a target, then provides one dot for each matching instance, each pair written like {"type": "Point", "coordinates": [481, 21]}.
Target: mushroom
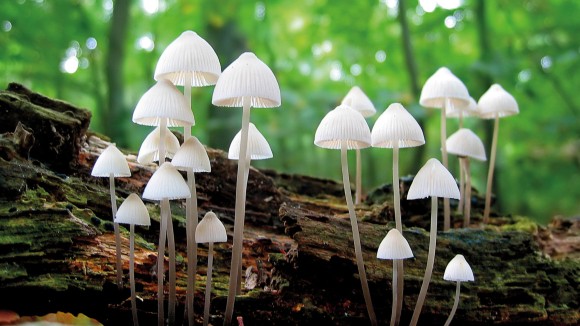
{"type": "Point", "coordinates": [457, 270]}
{"type": "Point", "coordinates": [434, 180]}
{"type": "Point", "coordinates": [396, 128]}
{"type": "Point", "coordinates": [443, 90]}
{"type": "Point", "coordinates": [344, 128]}
{"type": "Point", "coordinates": [465, 144]}
{"type": "Point", "coordinates": [164, 106]}
{"type": "Point", "coordinates": [246, 82]}
{"type": "Point", "coordinates": [133, 212]}
{"type": "Point", "coordinates": [495, 103]}
{"type": "Point", "coordinates": [394, 246]}
{"type": "Point", "coordinates": [209, 230]}
{"type": "Point", "coordinates": [149, 150]}
{"type": "Point", "coordinates": [359, 101]}
{"type": "Point", "coordinates": [112, 163]}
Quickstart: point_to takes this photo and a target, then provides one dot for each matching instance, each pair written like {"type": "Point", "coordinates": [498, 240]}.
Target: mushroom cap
{"type": "Point", "coordinates": [396, 125]}
{"type": "Point", "coordinates": [343, 124]}
{"type": "Point", "coordinates": [192, 155]}
{"type": "Point", "coordinates": [166, 183]}
{"type": "Point", "coordinates": [433, 180]}
{"type": "Point", "coordinates": [189, 56]}
{"type": "Point", "coordinates": [258, 147]}
{"type": "Point", "coordinates": [458, 270]}
{"type": "Point", "coordinates": [149, 150]}
{"type": "Point", "coordinates": [443, 84]}
{"type": "Point", "coordinates": [133, 211]}
{"type": "Point", "coordinates": [465, 142]}
{"type": "Point", "coordinates": [470, 110]}
{"type": "Point", "coordinates": [210, 229]}
{"type": "Point", "coordinates": [163, 100]}
{"type": "Point", "coordinates": [249, 77]}
{"type": "Point", "coordinates": [394, 246]}
{"type": "Point", "coordinates": [110, 161]}
{"type": "Point", "coordinates": [358, 100]}
{"type": "Point", "coordinates": [497, 100]}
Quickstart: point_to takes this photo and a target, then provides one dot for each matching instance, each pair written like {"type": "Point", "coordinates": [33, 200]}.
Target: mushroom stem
{"type": "Point", "coordinates": [187, 94]}
{"type": "Point", "coordinates": [446, 207]}
{"type": "Point", "coordinates": [208, 284]}
{"type": "Point", "coordinates": [161, 266]}
{"type": "Point", "coordinates": [239, 214]}
{"type": "Point", "coordinates": [358, 182]}
{"type": "Point", "coordinates": [116, 230]}
{"type": "Point", "coordinates": [241, 265]}
{"type": "Point", "coordinates": [355, 234]}
{"type": "Point", "coordinates": [132, 273]}
{"type": "Point", "coordinates": [490, 172]}
{"type": "Point", "coordinates": [460, 119]}
{"type": "Point", "coordinates": [396, 188]}
{"type": "Point", "coordinates": [190, 226]}
{"type": "Point", "coordinates": [467, 213]}
{"type": "Point", "coordinates": [397, 264]}
{"type": "Point", "coordinates": [455, 304]}
{"type": "Point", "coordinates": [430, 263]}
{"type": "Point", "coordinates": [461, 186]}
{"type": "Point", "coordinates": [172, 274]}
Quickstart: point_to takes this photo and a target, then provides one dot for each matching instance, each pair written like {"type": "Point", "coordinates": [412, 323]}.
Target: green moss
{"type": "Point", "coordinates": [11, 271]}
{"type": "Point", "coordinates": [521, 223]}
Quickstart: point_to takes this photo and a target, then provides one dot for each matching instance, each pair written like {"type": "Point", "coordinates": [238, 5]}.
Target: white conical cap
{"type": "Point", "coordinates": [343, 124]}
{"type": "Point", "coordinates": [112, 161]}
{"type": "Point", "coordinates": [258, 147]}
{"type": "Point", "coordinates": [394, 246]}
{"type": "Point", "coordinates": [396, 125]}
{"type": "Point", "coordinates": [359, 101]}
{"type": "Point", "coordinates": [443, 84]}
{"type": "Point", "coordinates": [189, 56]}
{"type": "Point", "coordinates": [249, 77]}
{"type": "Point", "coordinates": [497, 100]}
{"type": "Point", "coordinates": [458, 270]}
{"type": "Point", "coordinates": [133, 211]}
{"type": "Point", "coordinates": [433, 180]}
{"type": "Point", "coordinates": [471, 110]}
{"type": "Point", "coordinates": [210, 229]}
{"type": "Point", "coordinates": [465, 142]}
{"type": "Point", "coordinates": [163, 100]}
{"type": "Point", "coordinates": [192, 155]}
{"type": "Point", "coordinates": [166, 183]}
{"type": "Point", "coordinates": [149, 150]}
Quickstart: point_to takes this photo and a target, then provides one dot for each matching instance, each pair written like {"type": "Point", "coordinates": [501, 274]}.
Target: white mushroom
{"type": "Point", "coordinates": [458, 270]}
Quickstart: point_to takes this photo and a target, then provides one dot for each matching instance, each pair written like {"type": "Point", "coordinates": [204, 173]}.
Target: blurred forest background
{"type": "Point", "coordinates": [101, 55]}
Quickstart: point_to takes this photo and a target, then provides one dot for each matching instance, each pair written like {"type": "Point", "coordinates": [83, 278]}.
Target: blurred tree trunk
{"type": "Point", "coordinates": [114, 72]}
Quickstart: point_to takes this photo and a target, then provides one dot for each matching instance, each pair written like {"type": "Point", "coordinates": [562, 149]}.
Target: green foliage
{"type": "Point", "coordinates": [318, 50]}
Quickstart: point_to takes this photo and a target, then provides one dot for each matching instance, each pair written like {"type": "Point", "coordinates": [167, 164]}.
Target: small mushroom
{"type": "Point", "coordinates": [149, 150]}
{"type": "Point", "coordinates": [433, 180]}
{"type": "Point", "coordinates": [133, 212]}
{"type": "Point", "coordinates": [209, 230]}
{"type": "Point", "coordinates": [343, 128]}
{"type": "Point", "coordinates": [112, 163]}
{"type": "Point", "coordinates": [495, 103]}
{"type": "Point", "coordinates": [458, 270]}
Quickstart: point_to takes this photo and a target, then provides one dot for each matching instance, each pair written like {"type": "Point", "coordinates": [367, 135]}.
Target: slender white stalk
{"type": "Point", "coordinates": [397, 264]}
{"type": "Point", "coordinates": [132, 273]}
{"type": "Point", "coordinates": [400, 287]}
{"type": "Point", "coordinates": [187, 94]}
{"type": "Point", "coordinates": [395, 293]}
{"type": "Point", "coordinates": [355, 235]}
{"type": "Point", "coordinates": [461, 186]}
{"type": "Point", "coordinates": [467, 213]}
{"type": "Point", "coordinates": [490, 172]}
{"type": "Point", "coordinates": [460, 119]}
{"type": "Point", "coordinates": [430, 263]}
{"type": "Point", "coordinates": [455, 304]}
{"type": "Point", "coordinates": [162, 233]}
{"type": "Point", "coordinates": [119, 264]}
{"type": "Point", "coordinates": [446, 207]}
{"type": "Point", "coordinates": [190, 226]}
{"type": "Point", "coordinates": [358, 182]}
{"type": "Point", "coordinates": [241, 265]}
{"type": "Point", "coordinates": [208, 284]}
{"type": "Point", "coordinates": [239, 215]}
{"type": "Point", "coordinates": [396, 188]}
{"type": "Point", "coordinates": [172, 272]}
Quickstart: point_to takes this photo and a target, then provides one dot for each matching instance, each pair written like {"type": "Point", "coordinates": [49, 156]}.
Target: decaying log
{"type": "Point", "coordinates": [57, 250]}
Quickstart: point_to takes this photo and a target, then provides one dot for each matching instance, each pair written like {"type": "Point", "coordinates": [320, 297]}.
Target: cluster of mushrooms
{"type": "Point", "coordinates": [189, 61]}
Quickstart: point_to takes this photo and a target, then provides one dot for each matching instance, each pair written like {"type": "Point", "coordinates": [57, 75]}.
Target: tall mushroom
{"type": "Point", "coordinates": [494, 104]}
{"type": "Point", "coordinates": [246, 82]}
{"type": "Point", "coordinates": [189, 61]}
{"type": "Point", "coordinates": [343, 128]}
{"type": "Point", "coordinates": [164, 106]}
{"type": "Point", "coordinates": [395, 247]}
{"type": "Point", "coordinates": [359, 101]}
{"type": "Point", "coordinates": [458, 270]}
{"type": "Point", "coordinates": [209, 230]}
{"type": "Point", "coordinates": [433, 180]}
{"type": "Point", "coordinates": [443, 90]}
{"type": "Point", "coordinates": [465, 144]}
{"type": "Point", "coordinates": [133, 212]}
{"type": "Point", "coordinates": [112, 163]}
{"type": "Point", "coordinates": [149, 150]}
{"type": "Point", "coordinates": [396, 128]}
